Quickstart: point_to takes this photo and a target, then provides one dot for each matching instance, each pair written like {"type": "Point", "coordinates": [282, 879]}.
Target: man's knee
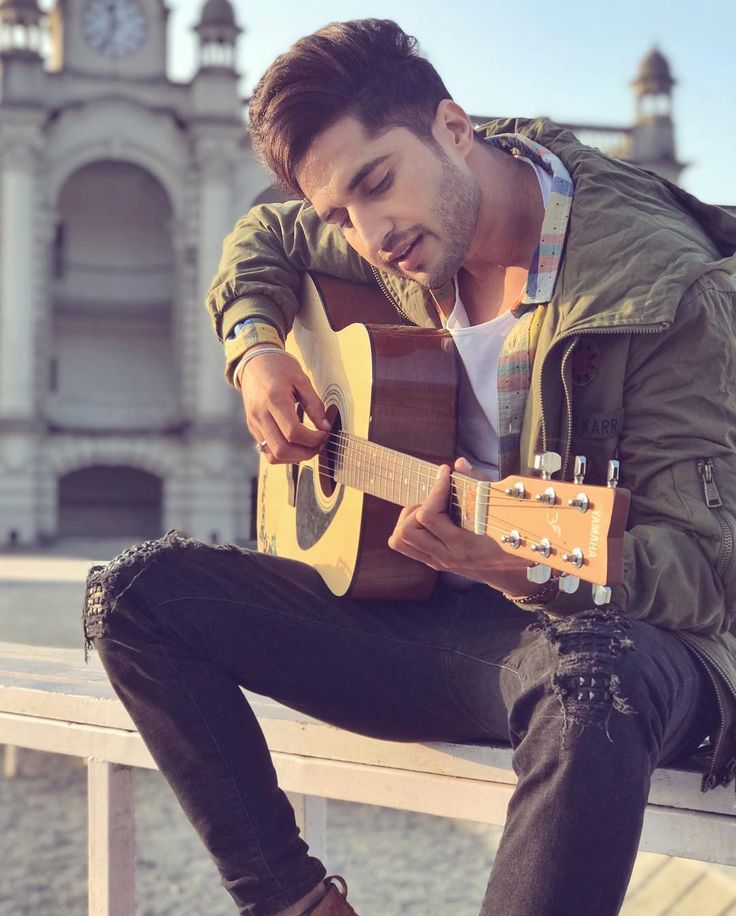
{"type": "Point", "coordinates": [108, 585]}
{"type": "Point", "coordinates": [595, 674]}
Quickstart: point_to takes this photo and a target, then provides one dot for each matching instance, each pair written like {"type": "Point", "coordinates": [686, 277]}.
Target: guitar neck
{"type": "Point", "coordinates": [572, 527]}
{"type": "Point", "coordinates": [396, 477]}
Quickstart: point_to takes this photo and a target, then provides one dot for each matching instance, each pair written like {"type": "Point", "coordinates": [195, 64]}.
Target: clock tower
{"type": "Point", "coordinates": [109, 37]}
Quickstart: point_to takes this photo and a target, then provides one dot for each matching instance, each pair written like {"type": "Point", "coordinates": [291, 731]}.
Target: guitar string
{"type": "Point", "coordinates": [424, 477]}
{"type": "Point", "coordinates": [426, 473]}
{"type": "Point", "coordinates": [492, 526]}
{"type": "Point", "coordinates": [492, 523]}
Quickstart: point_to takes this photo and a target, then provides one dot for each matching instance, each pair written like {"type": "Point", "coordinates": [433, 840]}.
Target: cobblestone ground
{"type": "Point", "coordinates": [397, 863]}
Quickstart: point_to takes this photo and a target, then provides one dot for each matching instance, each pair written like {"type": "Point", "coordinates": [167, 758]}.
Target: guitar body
{"type": "Point", "coordinates": [391, 384]}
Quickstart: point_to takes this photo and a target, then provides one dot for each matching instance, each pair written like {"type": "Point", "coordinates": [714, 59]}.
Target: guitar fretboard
{"type": "Point", "coordinates": [402, 479]}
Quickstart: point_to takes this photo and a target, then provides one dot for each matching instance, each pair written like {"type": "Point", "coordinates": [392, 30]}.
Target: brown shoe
{"type": "Point", "coordinates": [334, 902]}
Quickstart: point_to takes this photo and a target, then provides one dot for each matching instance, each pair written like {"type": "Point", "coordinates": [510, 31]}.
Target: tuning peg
{"type": "Point", "coordinates": [518, 491]}
{"type": "Point", "coordinates": [538, 573]}
{"type": "Point", "coordinates": [580, 502]}
{"type": "Point", "coordinates": [568, 584]}
{"type": "Point", "coordinates": [612, 475]}
{"type": "Point", "coordinates": [548, 463]}
{"type": "Point", "coordinates": [575, 557]}
{"type": "Point", "coordinates": [543, 548]}
{"type": "Point", "coordinates": [581, 466]}
{"type": "Point", "coordinates": [601, 594]}
{"type": "Point", "coordinates": [548, 497]}
{"type": "Point", "coordinates": [513, 539]}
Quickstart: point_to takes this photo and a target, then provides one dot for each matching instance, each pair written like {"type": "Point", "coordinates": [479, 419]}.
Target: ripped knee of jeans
{"type": "Point", "coordinates": [107, 583]}
{"type": "Point", "coordinates": [589, 645]}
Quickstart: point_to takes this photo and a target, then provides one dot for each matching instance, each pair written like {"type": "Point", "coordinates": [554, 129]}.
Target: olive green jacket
{"type": "Point", "coordinates": [636, 360]}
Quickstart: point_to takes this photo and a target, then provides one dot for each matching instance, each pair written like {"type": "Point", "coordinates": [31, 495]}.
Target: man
{"type": "Point", "coordinates": [592, 307]}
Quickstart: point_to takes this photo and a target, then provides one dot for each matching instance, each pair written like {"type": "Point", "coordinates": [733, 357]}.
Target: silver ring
{"type": "Point", "coordinates": [261, 446]}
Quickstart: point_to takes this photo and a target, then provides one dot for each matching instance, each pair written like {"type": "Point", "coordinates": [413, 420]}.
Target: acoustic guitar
{"type": "Point", "coordinates": [390, 392]}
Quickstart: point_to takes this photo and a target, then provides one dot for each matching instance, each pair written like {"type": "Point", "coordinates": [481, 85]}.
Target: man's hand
{"type": "Point", "coordinates": [426, 533]}
{"type": "Point", "coordinates": [273, 386]}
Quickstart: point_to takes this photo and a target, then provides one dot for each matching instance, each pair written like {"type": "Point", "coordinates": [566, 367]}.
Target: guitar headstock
{"type": "Point", "coordinates": [572, 528]}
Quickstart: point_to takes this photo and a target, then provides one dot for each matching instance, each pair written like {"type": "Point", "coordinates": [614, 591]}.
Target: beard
{"type": "Point", "coordinates": [455, 215]}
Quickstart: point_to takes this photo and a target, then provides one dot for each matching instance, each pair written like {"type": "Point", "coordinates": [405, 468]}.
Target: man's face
{"type": "Point", "coordinates": [403, 204]}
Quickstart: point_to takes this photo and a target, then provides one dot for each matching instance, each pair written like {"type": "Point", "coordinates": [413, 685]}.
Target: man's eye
{"type": "Point", "coordinates": [383, 185]}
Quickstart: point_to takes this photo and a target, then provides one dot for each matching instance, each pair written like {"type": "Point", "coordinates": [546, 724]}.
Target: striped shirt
{"type": "Point", "coordinates": [517, 354]}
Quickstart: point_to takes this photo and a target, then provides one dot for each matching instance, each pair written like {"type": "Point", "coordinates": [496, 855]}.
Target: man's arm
{"type": "Point", "coordinates": [253, 296]}
{"type": "Point", "coordinates": [261, 269]}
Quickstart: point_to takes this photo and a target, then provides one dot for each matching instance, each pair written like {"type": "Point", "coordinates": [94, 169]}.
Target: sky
{"type": "Point", "coordinates": [571, 60]}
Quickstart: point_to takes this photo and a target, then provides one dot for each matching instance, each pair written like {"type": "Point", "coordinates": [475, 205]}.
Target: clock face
{"type": "Point", "coordinates": [115, 28]}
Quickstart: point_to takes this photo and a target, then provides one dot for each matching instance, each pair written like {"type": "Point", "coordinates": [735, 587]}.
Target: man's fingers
{"type": "Point", "coordinates": [414, 539]}
{"type": "Point", "coordinates": [284, 413]}
{"type": "Point", "coordinates": [278, 449]}
{"type": "Point", "coordinates": [312, 404]}
{"type": "Point", "coordinates": [273, 387]}
{"type": "Point", "coordinates": [437, 501]}
{"type": "Point", "coordinates": [411, 540]}
{"type": "Point", "coordinates": [463, 466]}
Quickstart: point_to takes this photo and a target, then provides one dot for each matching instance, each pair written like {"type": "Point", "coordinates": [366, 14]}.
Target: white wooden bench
{"type": "Point", "coordinates": [51, 701]}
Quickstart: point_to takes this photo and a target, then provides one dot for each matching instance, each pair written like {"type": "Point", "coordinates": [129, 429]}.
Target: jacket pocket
{"type": "Point", "coordinates": [714, 502]}
{"type": "Point", "coordinates": [706, 488]}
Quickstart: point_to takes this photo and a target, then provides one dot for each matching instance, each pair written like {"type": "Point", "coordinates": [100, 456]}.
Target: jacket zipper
{"type": "Point", "coordinates": [649, 329]}
{"type": "Point", "coordinates": [568, 406]}
{"type": "Point", "coordinates": [707, 471]}
{"type": "Point", "coordinates": [710, 779]}
{"type": "Point", "coordinates": [389, 296]}
{"type": "Point", "coordinates": [713, 501]}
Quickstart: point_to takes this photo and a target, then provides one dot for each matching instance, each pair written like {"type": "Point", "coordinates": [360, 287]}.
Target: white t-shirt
{"type": "Point", "coordinates": [479, 348]}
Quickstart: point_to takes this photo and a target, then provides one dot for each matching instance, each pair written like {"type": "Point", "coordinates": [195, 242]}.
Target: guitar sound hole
{"type": "Point", "coordinates": [328, 454]}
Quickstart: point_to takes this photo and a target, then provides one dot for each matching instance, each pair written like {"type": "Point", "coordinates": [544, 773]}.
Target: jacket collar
{"type": "Point", "coordinates": [635, 242]}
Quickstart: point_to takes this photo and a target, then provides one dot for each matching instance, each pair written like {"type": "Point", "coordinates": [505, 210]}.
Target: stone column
{"type": "Point", "coordinates": [216, 439]}
{"type": "Point", "coordinates": [212, 400]}
{"type": "Point", "coordinates": [19, 267]}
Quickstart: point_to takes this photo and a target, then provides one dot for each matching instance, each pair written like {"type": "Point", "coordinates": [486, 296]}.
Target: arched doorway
{"type": "Point", "coordinates": [110, 501]}
{"type": "Point", "coordinates": [113, 288]}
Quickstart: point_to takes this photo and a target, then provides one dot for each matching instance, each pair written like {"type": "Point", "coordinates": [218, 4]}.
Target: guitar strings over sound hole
{"type": "Point", "coordinates": [330, 452]}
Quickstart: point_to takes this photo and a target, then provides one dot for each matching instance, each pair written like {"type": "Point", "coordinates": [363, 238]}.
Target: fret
{"type": "Point", "coordinates": [457, 505]}
{"type": "Point", "coordinates": [380, 471]}
{"type": "Point", "coordinates": [425, 481]}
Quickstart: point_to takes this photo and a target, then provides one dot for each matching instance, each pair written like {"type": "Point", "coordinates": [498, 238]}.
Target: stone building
{"type": "Point", "coordinates": [117, 186]}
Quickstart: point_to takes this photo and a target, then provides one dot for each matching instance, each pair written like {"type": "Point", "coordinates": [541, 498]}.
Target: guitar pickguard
{"type": "Point", "coordinates": [311, 519]}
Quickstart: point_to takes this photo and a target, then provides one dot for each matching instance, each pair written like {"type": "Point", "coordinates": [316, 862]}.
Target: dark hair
{"type": "Point", "coordinates": [368, 68]}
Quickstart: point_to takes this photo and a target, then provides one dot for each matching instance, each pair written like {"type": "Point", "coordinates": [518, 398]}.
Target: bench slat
{"type": "Point", "coordinates": [674, 831]}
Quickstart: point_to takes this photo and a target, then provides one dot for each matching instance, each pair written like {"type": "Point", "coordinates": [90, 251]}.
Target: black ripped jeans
{"type": "Point", "coordinates": [591, 705]}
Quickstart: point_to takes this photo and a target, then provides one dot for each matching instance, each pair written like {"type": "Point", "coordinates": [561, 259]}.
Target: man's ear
{"type": "Point", "coordinates": [452, 128]}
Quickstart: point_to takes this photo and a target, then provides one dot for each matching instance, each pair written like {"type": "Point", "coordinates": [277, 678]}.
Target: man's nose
{"type": "Point", "coordinates": [374, 229]}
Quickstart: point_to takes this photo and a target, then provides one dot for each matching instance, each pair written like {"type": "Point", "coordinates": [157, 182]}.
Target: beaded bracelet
{"type": "Point", "coordinates": [542, 595]}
